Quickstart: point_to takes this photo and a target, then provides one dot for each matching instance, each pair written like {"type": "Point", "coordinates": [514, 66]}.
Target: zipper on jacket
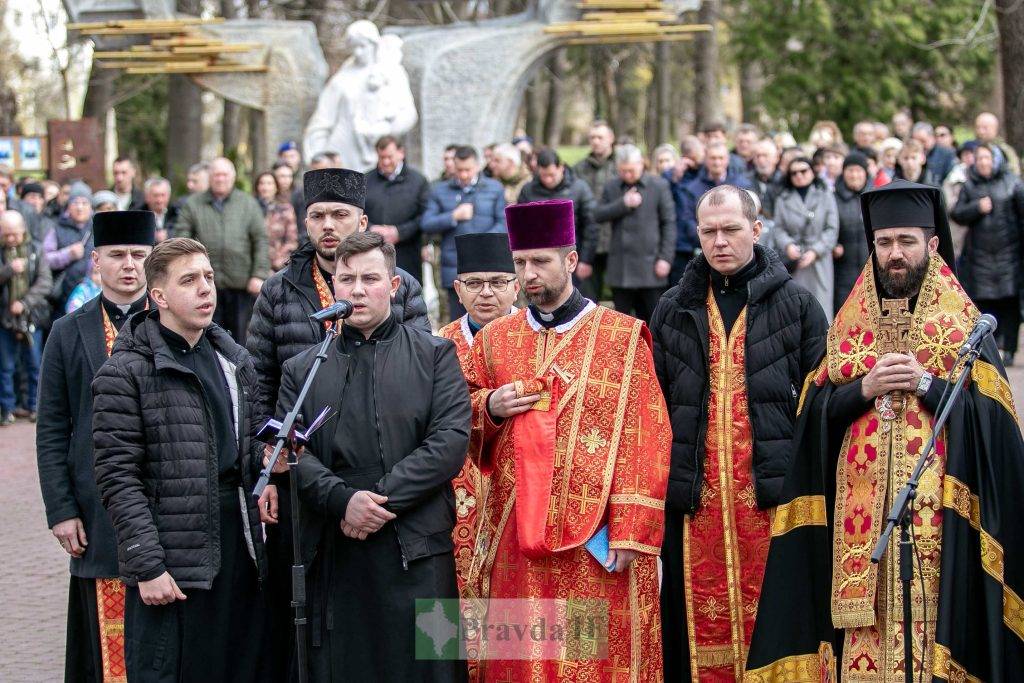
{"type": "Point", "coordinates": [380, 452]}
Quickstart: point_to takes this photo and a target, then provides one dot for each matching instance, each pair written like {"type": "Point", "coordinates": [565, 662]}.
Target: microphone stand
{"type": "Point", "coordinates": [903, 504]}
{"type": "Point", "coordinates": [286, 434]}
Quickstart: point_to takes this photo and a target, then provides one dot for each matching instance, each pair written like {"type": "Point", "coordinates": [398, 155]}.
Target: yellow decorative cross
{"type": "Point", "coordinates": [894, 326]}
{"type": "Point", "coordinates": [593, 441]}
{"type": "Point", "coordinates": [521, 334]}
{"type": "Point", "coordinates": [603, 384]}
{"type": "Point", "coordinates": [618, 327]}
{"type": "Point", "coordinates": [584, 499]}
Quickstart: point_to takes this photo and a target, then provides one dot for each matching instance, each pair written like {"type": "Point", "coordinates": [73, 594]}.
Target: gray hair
{"type": "Point", "coordinates": [509, 152]}
{"type": "Point", "coordinates": [923, 127]}
{"type": "Point", "coordinates": [718, 195]}
{"type": "Point", "coordinates": [156, 181]}
{"type": "Point", "coordinates": [671, 149]}
{"type": "Point", "coordinates": [691, 144]}
{"type": "Point", "coordinates": [201, 167]}
{"type": "Point", "coordinates": [628, 154]}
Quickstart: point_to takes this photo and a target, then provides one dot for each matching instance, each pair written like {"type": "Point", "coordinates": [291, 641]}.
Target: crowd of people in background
{"type": "Point", "coordinates": [635, 217]}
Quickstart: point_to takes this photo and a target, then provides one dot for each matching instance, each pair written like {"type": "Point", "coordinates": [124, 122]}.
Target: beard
{"type": "Point", "coordinates": [903, 285]}
{"type": "Point", "coordinates": [549, 293]}
{"type": "Point", "coordinates": [324, 253]}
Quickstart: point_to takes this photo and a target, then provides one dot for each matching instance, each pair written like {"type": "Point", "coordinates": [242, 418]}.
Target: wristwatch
{"type": "Point", "coordinates": [924, 384]}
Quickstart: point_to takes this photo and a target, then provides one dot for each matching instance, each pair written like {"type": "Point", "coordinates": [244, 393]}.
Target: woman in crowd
{"type": "Point", "coordinates": [991, 206]}
{"type": "Point", "coordinates": [806, 230]}
{"type": "Point", "coordinates": [851, 253]}
{"type": "Point", "coordinates": [285, 177]}
{"type": "Point", "coordinates": [888, 154]}
{"type": "Point", "coordinates": [265, 189]}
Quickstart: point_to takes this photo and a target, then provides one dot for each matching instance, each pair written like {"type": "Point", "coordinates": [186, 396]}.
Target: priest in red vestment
{"type": "Point", "coordinates": [574, 433]}
{"type": "Point", "coordinates": [487, 288]}
{"type": "Point", "coordinates": [733, 342]}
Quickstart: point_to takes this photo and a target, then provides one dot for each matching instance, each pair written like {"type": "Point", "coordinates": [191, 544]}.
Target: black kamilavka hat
{"type": "Point", "coordinates": [123, 227]}
{"type": "Point", "coordinates": [903, 204]}
{"type": "Point", "coordinates": [334, 185]}
{"type": "Point", "coordinates": [486, 252]}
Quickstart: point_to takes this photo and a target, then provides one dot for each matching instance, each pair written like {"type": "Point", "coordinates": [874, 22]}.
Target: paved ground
{"type": "Point", "coordinates": [33, 568]}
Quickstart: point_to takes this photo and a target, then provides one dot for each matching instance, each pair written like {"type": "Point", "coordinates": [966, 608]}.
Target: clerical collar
{"type": "Point", "coordinates": [737, 280]}
{"type": "Point", "coordinates": [566, 313]}
{"type": "Point", "coordinates": [118, 313]}
{"type": "Point", "coordinates": [353, 337]}
{"type": "Point", "coordinates": [178, 343]}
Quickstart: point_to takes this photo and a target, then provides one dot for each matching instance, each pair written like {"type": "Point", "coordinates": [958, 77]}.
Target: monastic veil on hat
{"type": "Point", "coordinates": [541, 225]}
{"type": "Point", "coordinates": [903, 204]}
{"type": "Point", "coordinates": [123, 227]}
{"type": "Point", "coordinates": [334, 185]}
{"type": "Point", "coordinates": [485, 252]}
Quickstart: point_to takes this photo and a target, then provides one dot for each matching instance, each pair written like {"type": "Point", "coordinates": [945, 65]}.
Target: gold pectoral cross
{"type": "Point", "coordinates": [893, 337]}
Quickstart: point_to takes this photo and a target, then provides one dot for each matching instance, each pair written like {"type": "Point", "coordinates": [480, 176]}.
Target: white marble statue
{"type": "Point", "coordinates": [367, 98]}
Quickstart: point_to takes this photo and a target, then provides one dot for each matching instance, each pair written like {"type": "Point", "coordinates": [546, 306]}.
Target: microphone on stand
{"type": "Point", "coordinates": [985, 326]}
{"type": "Point", "coordinates": [336, 311]}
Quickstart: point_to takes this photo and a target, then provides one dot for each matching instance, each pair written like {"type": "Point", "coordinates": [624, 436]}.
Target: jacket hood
{"type": "Point", "coordinates": [692, 290]}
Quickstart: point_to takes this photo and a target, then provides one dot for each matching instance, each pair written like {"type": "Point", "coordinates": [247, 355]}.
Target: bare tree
{"type": "Point", "coordinates": [1010, 17]}
{"type": "Point", "coordinates": [62, 52]}
{"type": "Point", "coordinates": [707, 97]}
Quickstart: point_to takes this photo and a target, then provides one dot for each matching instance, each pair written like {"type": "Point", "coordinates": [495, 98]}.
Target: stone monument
{"type": "Point", "coordinates": [369, 97]}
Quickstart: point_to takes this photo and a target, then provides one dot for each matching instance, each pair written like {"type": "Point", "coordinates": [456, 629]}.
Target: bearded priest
{"type": "Point", "coordinates": [575, 436]}
{"type": "Point", "coordinates": [865, 414]}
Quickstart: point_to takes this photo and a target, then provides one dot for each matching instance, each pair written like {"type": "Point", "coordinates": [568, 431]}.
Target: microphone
{"type": "Point", "coordinates": [336, 311]}
{"type": "Point", "coordinates": [985, 326]}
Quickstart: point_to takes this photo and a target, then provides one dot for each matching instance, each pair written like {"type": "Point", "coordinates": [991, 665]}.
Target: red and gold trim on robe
{"type": "Point", "coordinates": [323, 291]}
{"type": "Point", "coordinates": [593, 451]}
{"type": "Point", "coordinates": [469, 484]}
{"type": "Point", "coordinates": [725, 543]}
{"type": "Point", "coordinates": [877, 456]}
{"type": "Point", "coordinates": [110, 612]}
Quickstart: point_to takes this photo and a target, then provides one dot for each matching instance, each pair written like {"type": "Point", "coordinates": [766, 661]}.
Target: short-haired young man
{"type": "Point", "coordinates": [174, 464]}
{"type": "Point", "coordinates": [375, 482]}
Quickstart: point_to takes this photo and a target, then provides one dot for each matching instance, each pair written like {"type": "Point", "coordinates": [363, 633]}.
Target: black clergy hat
{"type": "Point", "coordinates": [334, 185]}
{"type": "Point", "coordinates": [903, 204]}
{"type": "Point", "coordinates": [123, 227]}
{"type": "Point", "coordinates": [486, 252]}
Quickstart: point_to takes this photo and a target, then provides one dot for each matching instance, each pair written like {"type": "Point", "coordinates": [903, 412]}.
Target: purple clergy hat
{"type": "Point", "coordinates": [541, 225]}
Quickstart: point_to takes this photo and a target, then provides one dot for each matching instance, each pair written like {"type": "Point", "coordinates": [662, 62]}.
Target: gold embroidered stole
{"type": "Point", "coordinates": [881, 447]}
{"type": "Point", "coordinates": [323, 292]}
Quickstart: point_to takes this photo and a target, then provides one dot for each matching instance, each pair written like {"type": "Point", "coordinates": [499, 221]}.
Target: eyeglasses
{"type": "Point", "coordinates": [799, 171]}
{"type": "Point", "coordinates": [498, 284]}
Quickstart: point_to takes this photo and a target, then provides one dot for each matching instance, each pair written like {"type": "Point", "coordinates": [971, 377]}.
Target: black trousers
{"type": "Point", "coordinates": [213, 635]}
{"type": "Point", "coordinates": [83, 661]}
{"type": "Point", "coordinates": [1007, 313]}
{"type": "Point", "coordinates": [234, 308]}
{"type": "Point", "coordinates": [639, 302]}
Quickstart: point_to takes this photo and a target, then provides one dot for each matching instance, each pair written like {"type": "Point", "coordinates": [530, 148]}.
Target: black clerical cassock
{"type": "Point", "coordinates": [77, 346]}
{"type": "Point", "coordinates": [826, 612]}
{"type": "Point", "coordinates": [401, 430]}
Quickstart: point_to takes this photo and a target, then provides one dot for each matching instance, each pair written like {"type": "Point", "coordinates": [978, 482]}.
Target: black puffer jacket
{"type": "Point", "coordinates": [852, 239]}
{"type": "Point", "coordinates": [280, 327]}
{"type": "Point", "coordinates": [156, 459]}
{"type": "Point", "coordinates": [990, 265]}
{"type": "Point", "coordinates": [785, 340]}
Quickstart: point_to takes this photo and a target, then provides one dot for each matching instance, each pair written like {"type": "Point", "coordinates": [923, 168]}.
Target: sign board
{"type": "Point", "coordinates": [76, 151]}
{"type": "Point", "coordinates": [23, 153]}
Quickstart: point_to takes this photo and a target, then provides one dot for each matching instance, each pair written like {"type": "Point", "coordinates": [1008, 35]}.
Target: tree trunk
{"type": "Point", "coordinates": [751, 85]}
{"type": "Point", "coordinates": [231, 121]}
{"type": "Point", "coordinates": [556, 107]}
{"type": "Point", "coordinates": [98, 96]}
{"type": "Point", "coordinates": [184, 118]}
{"type": "Point", "coordinates": [663, 93]}
{"type": "Point", "coordinates": [534, 103]}
{"type": "Point", "coordinates": [1011, 53]}
{"type": "Point", "coordinates": [258, 151]}
{"type": "Point", "coordinates": [707, 97]}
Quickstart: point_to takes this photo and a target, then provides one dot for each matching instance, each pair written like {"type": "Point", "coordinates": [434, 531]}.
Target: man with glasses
{"type": "Point", "coordinates": [487, 288]}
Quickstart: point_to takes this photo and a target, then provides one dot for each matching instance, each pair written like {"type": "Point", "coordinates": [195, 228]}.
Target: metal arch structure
{"type": "Point", "coordinates": [468, 79]}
